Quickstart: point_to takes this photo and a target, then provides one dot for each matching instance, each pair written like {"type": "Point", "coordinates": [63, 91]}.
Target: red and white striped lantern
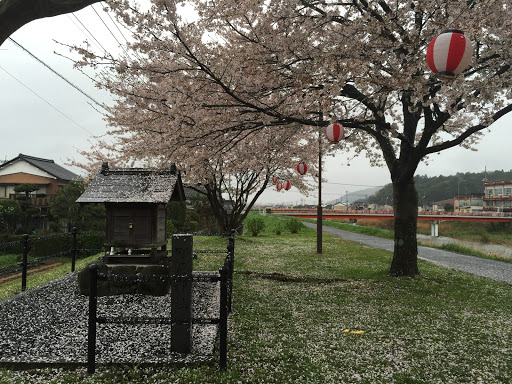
{"type": "Point", "coordinates": [274, 179]}
{"type": "Point", "coordinates": [302, 168]}
{"type": "Point", "coordinates": [449, 54]}
{"type": "Point", "coordinates": [334, 132]}
{"type": "Point", "coordinates": [287, 185]}
{"type": "Point", "coordinates": [279, 186]}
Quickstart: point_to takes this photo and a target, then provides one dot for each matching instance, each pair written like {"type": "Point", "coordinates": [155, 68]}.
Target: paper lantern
{"type": "Point", "coordinates": [279, 186]}
{"type": "Point", "coordinates": [334, 132]}
{"type": "Point", "coordinates": [287, 186]}
{"type": "Point", "coordinates": [302, 168]}
{"type": "Point", "coordinates": [274, 179]}
{"type": "Point", "coordinates": [449, 54]}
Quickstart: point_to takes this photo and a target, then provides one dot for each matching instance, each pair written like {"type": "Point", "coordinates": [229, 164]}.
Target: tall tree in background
{"type": "Point", "coordinates": [245, 64]}
{"type": "Point", "coordinates": [63, 208]}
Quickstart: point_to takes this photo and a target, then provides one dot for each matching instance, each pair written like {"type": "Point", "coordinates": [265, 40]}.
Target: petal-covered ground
{"type": "Point", "coordinates": [48, 324]}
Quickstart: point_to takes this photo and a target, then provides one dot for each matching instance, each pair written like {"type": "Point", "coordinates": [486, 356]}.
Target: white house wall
{"type": "Point", "coordinates": [21, 166]}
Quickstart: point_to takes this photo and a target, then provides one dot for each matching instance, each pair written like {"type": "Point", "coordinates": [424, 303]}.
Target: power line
{"type": "Point", "coordinates": [115, 24]}
{"type": "Point", "coordinates": [47, 102]}
{"type": "Point", "coordinates": [81, 30]}
{"type": "Point", "coordinates": [58, 74]}
{"type": "Point", "coordinates": [106, 26]}
{"type": "Point", "coordinates": [102, 47]}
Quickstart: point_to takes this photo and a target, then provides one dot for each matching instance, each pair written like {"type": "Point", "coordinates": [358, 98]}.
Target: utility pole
{"type": "Point", "coordinates": [319, 207]}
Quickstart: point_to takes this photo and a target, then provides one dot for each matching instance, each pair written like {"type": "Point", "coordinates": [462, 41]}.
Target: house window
{"type": "Point", "coordinates": [498, 191]}
{"type": "Point", "coordinates": [9, 190]}
{"type": "Point", "coordinates": [507, 203]}
{"type": "Point", "coordinates": [3, 191]}
{"type": "Point", "coordinates": [508, 191]}
{"type": "Point", "coordinates": [476, 201]}
{"type": "Point", "coordinates": [489, 193]}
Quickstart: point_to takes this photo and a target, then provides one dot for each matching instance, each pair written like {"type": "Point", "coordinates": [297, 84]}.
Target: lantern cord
{"type": "Point", "coordinates": [469, 5]}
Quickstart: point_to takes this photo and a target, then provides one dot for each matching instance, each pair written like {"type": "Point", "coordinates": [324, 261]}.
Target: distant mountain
{"type": "Point", "coordinates": [439, 188]}
{"type": "Point", "coordinates": [362, 194]}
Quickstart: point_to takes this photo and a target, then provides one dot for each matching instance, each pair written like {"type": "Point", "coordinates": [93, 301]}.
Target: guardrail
{"type": "Point", "coordinates": [390, 212]}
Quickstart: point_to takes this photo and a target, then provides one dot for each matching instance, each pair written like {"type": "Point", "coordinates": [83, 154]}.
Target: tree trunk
{"type": "Point", "coordinates": [405, 205]}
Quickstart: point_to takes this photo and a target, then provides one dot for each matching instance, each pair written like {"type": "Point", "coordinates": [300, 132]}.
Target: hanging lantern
{"type": "Point", "coordinates": [274, 179]}
{"type": "Point", "coordinates": [334, 132]}
{"type": "Point", "coordinates": [287, 186]}
{"type": "Point", "coordinates": [302, 168]}
{"type": "Point", "coordinates": [279, 186]}
{"type": "Point", "coordinates": [449, 54]}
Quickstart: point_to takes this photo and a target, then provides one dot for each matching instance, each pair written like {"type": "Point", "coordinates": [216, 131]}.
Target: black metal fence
{"type": "Point", "coordinates": [224, 277]}
{"type": "Point", "coordinates": [42, 248]}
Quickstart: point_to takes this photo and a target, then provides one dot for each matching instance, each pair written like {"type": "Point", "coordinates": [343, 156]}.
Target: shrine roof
{"type": "Point", "coordinates": [133, 185]}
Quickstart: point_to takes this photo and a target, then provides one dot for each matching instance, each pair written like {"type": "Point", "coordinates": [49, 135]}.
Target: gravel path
{"type": "Point", "coordinates": [492, 269]}
{"type": "Point", "coordinates": [48, 325]}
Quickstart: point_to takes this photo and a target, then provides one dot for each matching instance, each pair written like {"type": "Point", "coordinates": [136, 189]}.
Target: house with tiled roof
{"type": "Point", "coordinates": [47, 176]}
{"type": "Point", "coordinates": [24, 169]}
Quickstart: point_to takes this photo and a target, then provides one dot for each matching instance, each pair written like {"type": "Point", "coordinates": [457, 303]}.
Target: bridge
{"type": "Point", "coordinates": [433, 216]}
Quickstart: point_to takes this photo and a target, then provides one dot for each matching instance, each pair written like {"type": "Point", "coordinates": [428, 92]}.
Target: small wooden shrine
{"type": "Point", "coordinates": [136, 203]}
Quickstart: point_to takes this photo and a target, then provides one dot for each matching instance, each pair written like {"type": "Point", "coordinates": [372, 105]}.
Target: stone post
{"type": "Point", "coordinates": [181, 293]}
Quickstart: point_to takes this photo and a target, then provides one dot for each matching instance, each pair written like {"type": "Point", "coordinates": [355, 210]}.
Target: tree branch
{"type": "Point", "coordinates": [458, 140]}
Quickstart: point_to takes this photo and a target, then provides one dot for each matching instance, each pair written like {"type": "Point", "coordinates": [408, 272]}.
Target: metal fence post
{"type": "Point", "coordinates": [25, 263]}
{"type": "Point", "coordinates": [223, 326]}
{"type": "Point", "coordinates": [231, 267]}
{"type": "Point", "coordinates": [93, 305]}
{"type": "Point", "coordinates": [73, 250]}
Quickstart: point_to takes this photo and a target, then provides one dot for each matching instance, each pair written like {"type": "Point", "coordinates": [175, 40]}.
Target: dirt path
{"type": "Point", "coordinates": [39, 269]}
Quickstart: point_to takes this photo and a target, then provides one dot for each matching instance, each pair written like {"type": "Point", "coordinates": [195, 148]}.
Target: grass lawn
{"type": "Point", "coordinates": [35, 279]}
{"type": "Point", "coordinates": [338, 318]}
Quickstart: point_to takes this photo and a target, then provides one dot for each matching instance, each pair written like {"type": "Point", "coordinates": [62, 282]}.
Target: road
{"type": "Point", "coordinates": [491, 269]}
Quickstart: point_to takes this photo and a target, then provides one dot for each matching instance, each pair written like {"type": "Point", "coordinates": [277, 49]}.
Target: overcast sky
{"type": "Point", "coordinates": [44, 116]}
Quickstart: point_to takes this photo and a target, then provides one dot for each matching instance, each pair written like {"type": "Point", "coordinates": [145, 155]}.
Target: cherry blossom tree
{"type": "Point", "coordinates": [230, 177]}
{"type": "Point", "coordinates": [16, 13]}
{"type": "Point", "coordinates": [246, 65]}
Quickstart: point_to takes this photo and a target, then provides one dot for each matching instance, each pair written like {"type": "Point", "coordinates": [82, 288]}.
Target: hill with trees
{"type": "Point", "coordinates": [439, 188]}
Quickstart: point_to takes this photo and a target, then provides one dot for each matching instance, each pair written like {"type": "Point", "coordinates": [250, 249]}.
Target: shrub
{"type": "Point", "coordinates": [91, 241]}
{"type": "Point", "coordinates": [255, 225]}
{"type": "Point", "coordinates": [294, 225]}
{"type": "Point", "coordinates": [278, 228]}
{"type": "Point", "coordinates": [171, 228]}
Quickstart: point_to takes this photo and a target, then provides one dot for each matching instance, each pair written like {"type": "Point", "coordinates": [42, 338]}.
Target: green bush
{"type": "Point", "coordinates": [91, 241]}
{"type": "Point", "coordinates": [294, 225]}
{"type": "Point", "coordinates": [177, 213]}
{"type": "Point", "coordinates": [171, 228]}
{"type": "Point", "coordinates": [255, 225]}
{"type": "Point", "coordinates": [278, 228]}
{"type": "Point", "coordinates": [10, 213]}
{"type": "Point", "coordinates": [50, 245]}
